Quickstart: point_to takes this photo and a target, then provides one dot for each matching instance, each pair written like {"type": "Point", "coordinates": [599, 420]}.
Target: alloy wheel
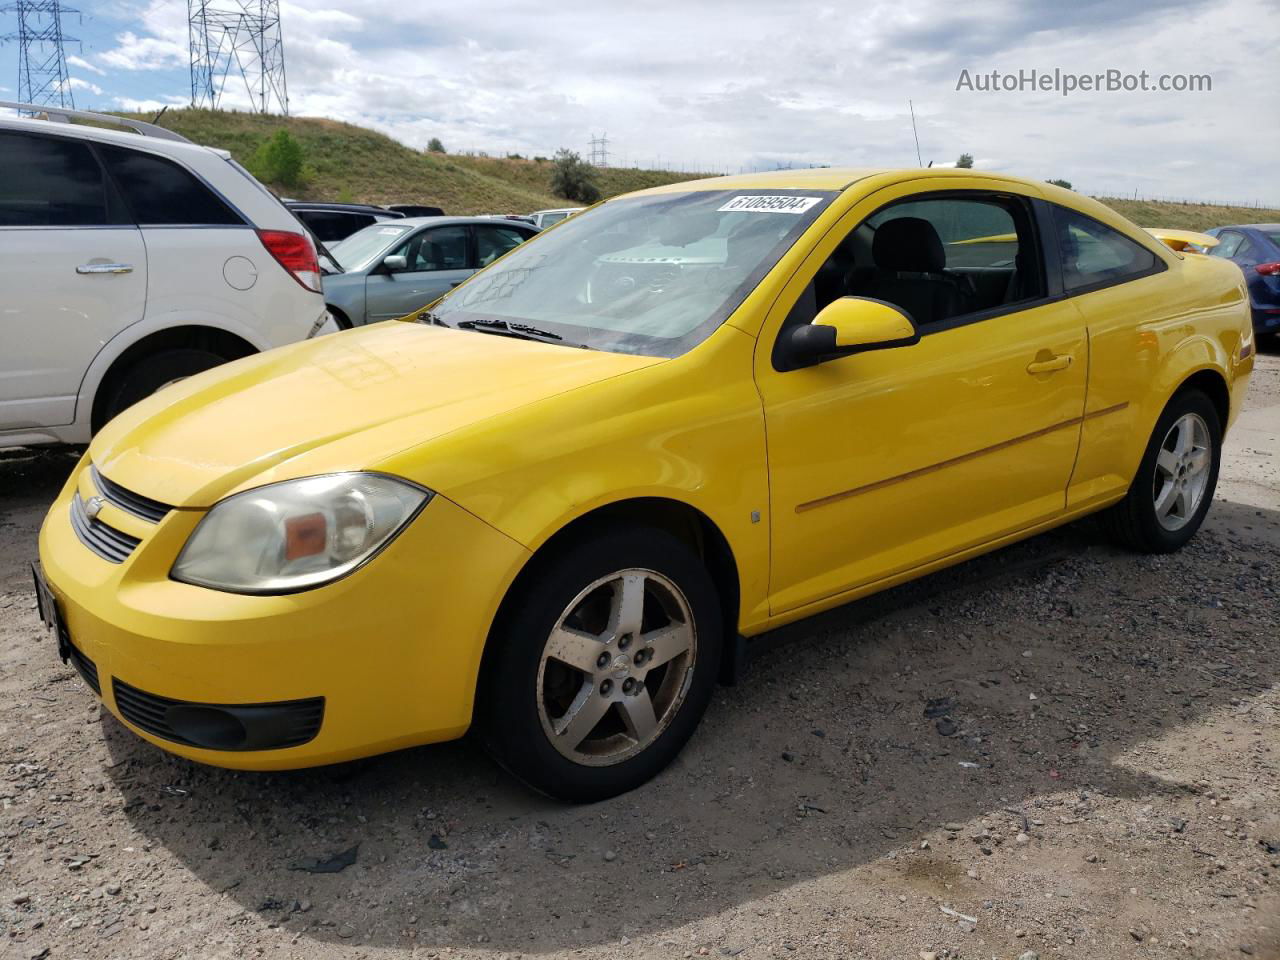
{"type": "Point", "coordinates": [615, 669]}
{"type": "Point", "coordinates": [1183, 466]}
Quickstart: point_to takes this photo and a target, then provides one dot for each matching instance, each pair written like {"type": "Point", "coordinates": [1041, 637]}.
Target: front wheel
{"type": "Point", "coordinates": [1174, 485]}
{"type": "Point", "coordinates": [602, 666]}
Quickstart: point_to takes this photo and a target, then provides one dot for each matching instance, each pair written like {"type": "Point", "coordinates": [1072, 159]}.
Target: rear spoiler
{"type": "Point", "coordinates": [1180, 240]}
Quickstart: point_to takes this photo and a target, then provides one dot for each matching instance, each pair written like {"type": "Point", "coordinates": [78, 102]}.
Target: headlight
{"type": "Point", "coordinates": [298, 534]}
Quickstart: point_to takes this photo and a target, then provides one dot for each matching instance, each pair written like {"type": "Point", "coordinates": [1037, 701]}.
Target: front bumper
{"type": "Point", "coordinates": [393, 649]}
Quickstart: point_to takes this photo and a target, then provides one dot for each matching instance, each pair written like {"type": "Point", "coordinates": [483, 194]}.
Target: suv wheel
{"type": "Point", "coordinates": [147, 375]}
{"type": "Point", "coordinates": [603, 666]}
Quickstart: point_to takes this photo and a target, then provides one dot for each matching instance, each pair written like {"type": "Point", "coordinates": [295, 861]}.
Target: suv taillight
{"type": "Point", "coordinates": [1269, 269]}
{"type": "Point", "coordinates": [295, 253]}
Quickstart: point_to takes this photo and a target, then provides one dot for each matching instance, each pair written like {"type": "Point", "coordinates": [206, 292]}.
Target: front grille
{"type": "Point", "coordinates": [257, 726]}
{"type": "Point", "coordinates": [142, 507]}
{"type": "Point", "coordinates": [87, 669]}
{"type": "Point", "coordinates": [107, 542]}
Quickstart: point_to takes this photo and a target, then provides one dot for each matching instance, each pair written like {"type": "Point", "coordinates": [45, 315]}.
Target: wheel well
{"type": "Point", "coordinates": [339, 316]}
{"type": "Point", "coordinates": [679, 519]}
{"type": "Point", "coordinates": [225, 344]}
{"type": "Point", "coordinates": [1212, 385]}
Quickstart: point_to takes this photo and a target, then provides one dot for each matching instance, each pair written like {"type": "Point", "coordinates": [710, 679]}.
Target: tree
{"type": "Point", "coordinates": [965, 162]}
{"type": "Point", "coordinates": [435, 146]}
{"type": "Point", "coordinates": [573, 178]}
{"type": "Point", "coordinates": [280, 160]}
{"type": "Point", "coordinates": [1064, 184]}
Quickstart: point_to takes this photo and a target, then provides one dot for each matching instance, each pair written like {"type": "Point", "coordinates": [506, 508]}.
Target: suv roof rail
{"type": "Point", "coordinates": [65, 115]}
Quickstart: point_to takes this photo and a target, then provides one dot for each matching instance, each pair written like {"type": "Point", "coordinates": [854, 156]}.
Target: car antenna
{"type": "Point", "coordinates": [156, 118]}
{"type": "Point", "coordinates": [912, 108]}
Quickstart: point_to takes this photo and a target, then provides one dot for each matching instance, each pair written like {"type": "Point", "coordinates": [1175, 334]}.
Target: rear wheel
{"type": "Point", "coordinates": [603, 666]}
{"type": "Point", "coordinates": [148, 374]}
{"type": "Point", "coordinates": [1175, 482]}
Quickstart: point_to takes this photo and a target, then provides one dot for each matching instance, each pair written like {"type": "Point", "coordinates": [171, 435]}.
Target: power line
{"type": "Point", "coordinates": [42, 59]}
{"type": "Point", "coordinates": [240, 34]}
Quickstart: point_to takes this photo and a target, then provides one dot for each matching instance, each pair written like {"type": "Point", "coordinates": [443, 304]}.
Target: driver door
{"type": "Point", "coordinates": [438, 259]}
{"type": "Point", "coordinates": [886, 461]}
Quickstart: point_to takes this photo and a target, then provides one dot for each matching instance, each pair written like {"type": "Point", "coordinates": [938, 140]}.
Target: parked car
{"type": "Point", "coordinates": [128, 262]}
{"type": "Point", "coordinates": [331, 222]}
{"type": "Point", "coordinates": [550, 504]}
{"type": "Point", "coordinates": [1255, 248]}
{"type": "Point", "coordinates": [415, 210]}
{"type": "Point", "coordinates": [396, 267]}
{"type": "Point", "coordinates": [518, 217]}
{"type": "Point", "coordinates": [545, 218]}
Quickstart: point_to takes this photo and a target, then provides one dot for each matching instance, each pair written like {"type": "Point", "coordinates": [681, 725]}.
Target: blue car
{"type": "Point", "coordinates": [1256, 248]}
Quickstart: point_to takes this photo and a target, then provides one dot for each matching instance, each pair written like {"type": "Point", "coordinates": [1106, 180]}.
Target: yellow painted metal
{"type": "Point", "coordinates": [826, 483]}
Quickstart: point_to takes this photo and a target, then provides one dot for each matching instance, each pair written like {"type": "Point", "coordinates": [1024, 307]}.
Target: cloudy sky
{"type": "Point", "coordinates": [750, 85]}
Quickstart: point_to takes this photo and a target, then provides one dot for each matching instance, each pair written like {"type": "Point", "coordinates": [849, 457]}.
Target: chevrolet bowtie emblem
{"type": "Point", "coordinates": [94, 507]}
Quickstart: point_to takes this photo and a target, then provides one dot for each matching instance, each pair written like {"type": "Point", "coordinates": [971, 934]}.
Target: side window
{"type": "Point", "coordinates": [159, 192]}
{"type": "Point", "coordinates": [1094, 254]}
{"type": "Point", "coordinates": [493, 242]}
{"type": "Point", "coordinates": [444, 248]}
{"type": "Point", "coordinates": [937, 258]}
{"type": "Point", "coordinates": [52, 182]}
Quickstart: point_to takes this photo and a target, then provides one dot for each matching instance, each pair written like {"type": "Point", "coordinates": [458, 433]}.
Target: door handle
{"type": "Point", "coordinates": [1050, 365]}
{"type": "Point", "coordinates": [104, 268]}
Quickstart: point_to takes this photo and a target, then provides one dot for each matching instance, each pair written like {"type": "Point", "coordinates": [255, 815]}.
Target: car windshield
{"type": "Point", "coordinates": [1273, 237]}
{"type": "Point", "coordinates": [362, 247]}
{"type": "Point", "coordinates": [652, 275]}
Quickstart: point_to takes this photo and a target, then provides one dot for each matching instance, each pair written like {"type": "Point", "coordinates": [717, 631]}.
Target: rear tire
{"type": "Point", "coordinates": [147, 375]}
{"type": "Point", "coordinates": [1175, 482]}
{"type": "Point", "coordinates": [601, 666]}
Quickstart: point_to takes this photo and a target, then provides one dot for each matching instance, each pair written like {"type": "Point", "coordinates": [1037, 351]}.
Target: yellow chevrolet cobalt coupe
{"type": "Point", "coordinates": [547, 505]}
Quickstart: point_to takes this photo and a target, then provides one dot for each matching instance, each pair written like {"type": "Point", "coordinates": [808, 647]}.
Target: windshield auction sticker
{"type": "Point", "coordinates": [770, 204]}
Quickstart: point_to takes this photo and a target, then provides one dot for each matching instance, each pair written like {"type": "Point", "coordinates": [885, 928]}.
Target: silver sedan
{"type": "Point", "coordinates": [395, 267]}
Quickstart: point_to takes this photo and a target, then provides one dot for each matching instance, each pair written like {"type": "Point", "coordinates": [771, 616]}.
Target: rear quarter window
{"type": "Point", "coordinates": [161, 193]}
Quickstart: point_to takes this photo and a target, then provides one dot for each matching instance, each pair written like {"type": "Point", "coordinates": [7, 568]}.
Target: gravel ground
{"type": "Point", "coordinates": [1061, 750]}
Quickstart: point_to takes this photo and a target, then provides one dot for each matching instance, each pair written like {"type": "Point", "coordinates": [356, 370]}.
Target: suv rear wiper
{"type": "Point", "coordinates": [523, 331]}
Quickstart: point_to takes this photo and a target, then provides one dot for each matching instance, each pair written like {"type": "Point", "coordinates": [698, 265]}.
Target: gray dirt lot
{"type": "Point", "coordinates": [1110, 786]}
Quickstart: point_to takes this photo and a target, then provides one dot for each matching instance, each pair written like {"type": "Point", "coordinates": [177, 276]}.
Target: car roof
{"type": "Point", "coordinates": [441, 221]}
{"type": "Point", "coordinates": [557, 210]}
{"type": "Point", "coordinates": [338, 207]}
{"type": "Point", "coordinates": [128, 138]}
{"type": "Point", "coordinates": [1250, 226]}
{"type": "Point", "coordinates": [828, 178]}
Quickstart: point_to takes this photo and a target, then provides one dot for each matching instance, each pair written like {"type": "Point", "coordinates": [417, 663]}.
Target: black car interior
{"type": "Point", "coordinates": [937, 259]}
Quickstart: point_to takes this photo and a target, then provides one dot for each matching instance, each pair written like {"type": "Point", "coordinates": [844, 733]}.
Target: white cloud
{"type": "Point", "coordinates": [144, 53]}
{"type": "Point", "coordinates": [721, 85]}
{"type": "Point", "coordinates": [83, 64]}
{"type": "Point", "coordinates": [75, 83]}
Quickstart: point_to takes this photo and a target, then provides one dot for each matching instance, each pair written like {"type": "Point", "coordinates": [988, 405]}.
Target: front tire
{"type": "Point", "coordinates": [1174, 485]}
{"type": "Point", "coordinates": [602, 665]}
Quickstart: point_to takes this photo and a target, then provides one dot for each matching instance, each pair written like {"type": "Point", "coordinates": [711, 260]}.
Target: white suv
{"type": "Point", "coordinates": [128, 262]}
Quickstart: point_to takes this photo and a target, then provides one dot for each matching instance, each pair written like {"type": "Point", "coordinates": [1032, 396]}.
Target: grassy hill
{"type": "Point", "coordinates": [354, 163]}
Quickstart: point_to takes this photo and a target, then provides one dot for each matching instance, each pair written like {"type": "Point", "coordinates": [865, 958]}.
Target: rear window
{"type": "Point", "coordinates": [52, 182]}
{"type": "Point", "coordinates": [161, 193]}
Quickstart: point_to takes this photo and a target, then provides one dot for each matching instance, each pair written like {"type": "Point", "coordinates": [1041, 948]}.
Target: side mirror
{"type": "Point", "coordinates": [843, 327]}
{"type": "Point", "coordinates": [395, 262]}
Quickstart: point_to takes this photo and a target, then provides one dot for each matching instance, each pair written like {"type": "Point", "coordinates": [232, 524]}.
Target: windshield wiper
{"type": "Point", "coordinates": [523, 331]}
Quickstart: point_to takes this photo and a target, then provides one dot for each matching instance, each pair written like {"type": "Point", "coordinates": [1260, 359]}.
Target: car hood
{"type": "Point", "coordinates": [341, 402]}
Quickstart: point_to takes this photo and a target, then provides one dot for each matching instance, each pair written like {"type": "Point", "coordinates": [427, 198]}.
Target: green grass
{"type": "Point", "coordinates": [352, 163]}
{"type": "Point", "coordinates": [1188, 216]}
